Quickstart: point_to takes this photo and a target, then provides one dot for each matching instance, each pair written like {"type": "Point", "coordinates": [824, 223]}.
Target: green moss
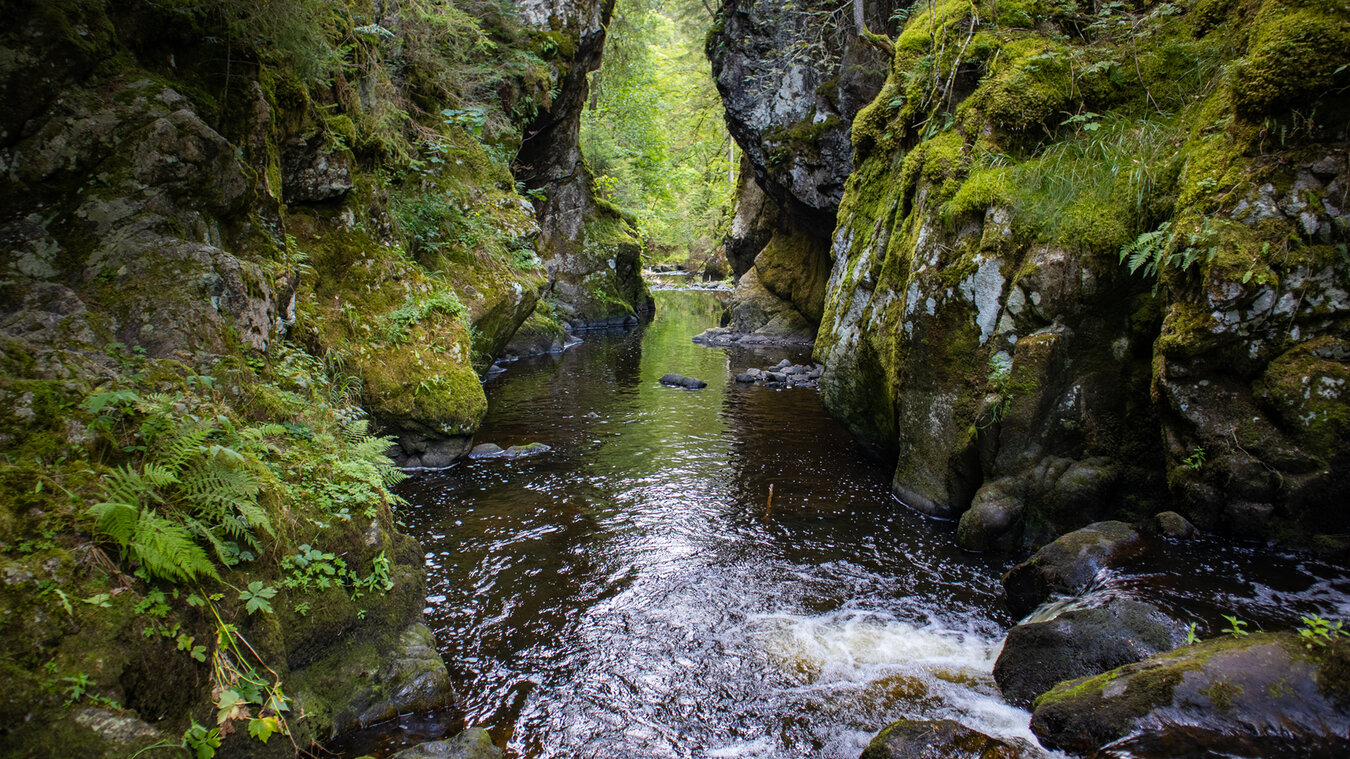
{"type": "Point", "coordinates": [1221, 693]}
{"type": "Point", "coordinates": [1296, 50]}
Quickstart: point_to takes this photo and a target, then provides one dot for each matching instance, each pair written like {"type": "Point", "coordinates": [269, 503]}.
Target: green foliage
{"type": "Point", "coordinates": [1317, 631]}
{"type": "Point", "coordinates": [1196, 460]}
{"type": "Point", "coordinates": [1191, 637]}
{"type": "Point", "coordinates": [258, 597]}
{"type": "Point", "coordinates": [655, 135]}
{"type": "Point", "coordinates": [1235, 626]}
{"type": "Point", "coordinates": [394, 325]}
{"type": "Point", "coordinates": [191, 483]}
{"type": "Point", "coordinates": [1163, 248]}
{"type": "Point", "coordinates": [312, 570]}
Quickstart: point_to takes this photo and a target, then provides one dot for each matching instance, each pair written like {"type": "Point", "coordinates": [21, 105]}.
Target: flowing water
{"type": "Point", "coordinates": [634, 592]}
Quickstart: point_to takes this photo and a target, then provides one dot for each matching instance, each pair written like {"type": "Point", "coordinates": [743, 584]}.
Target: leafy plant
{"type": "Point", "coordinates": [1235, 626]}
{"type": "Point", "coordinates": [1191, 637]}
{"type": "Point", "coordinates": [258, 597]}
{"type": "Point", "coordinates": [1317, 631]}
{"type": "Point", "coordinates": [1196, 460]}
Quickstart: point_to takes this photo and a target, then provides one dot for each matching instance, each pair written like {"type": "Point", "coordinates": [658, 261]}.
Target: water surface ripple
{"type": "Point", "coordinates": [632, 593]}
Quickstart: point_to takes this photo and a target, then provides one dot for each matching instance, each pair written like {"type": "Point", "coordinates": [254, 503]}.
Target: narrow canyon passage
{"type": "Point", "coordinates": [629, 593]}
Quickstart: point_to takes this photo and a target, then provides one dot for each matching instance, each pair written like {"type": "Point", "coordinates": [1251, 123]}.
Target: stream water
{"type": "Point", "coordinates": [632, 593]}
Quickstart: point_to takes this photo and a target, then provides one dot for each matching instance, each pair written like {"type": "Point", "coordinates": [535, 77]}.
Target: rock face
{"type": "Point", "coordinates": [194, 218]}
{"type": "Point", "coordinates": [1263, 695]}
{"type": "Point", "coordinates": [936, 739]}
{"type": "Point", "coordinates": [980, 323]}
{"type": "Point", "coordinates": [791, 77]}
{"type": "Point", "coordinates": [1069, 564]}
{"type": "Point", "coordinates": [591, 250]}
{"type": "Point", "coordinates": [1080, 643]}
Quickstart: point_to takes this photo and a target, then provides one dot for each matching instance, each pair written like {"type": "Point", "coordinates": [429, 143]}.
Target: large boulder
{"type": "Point", "coordinates": [936, 739]}
{"type": "Point", "coordinates": [1069, 564]}
{"type": "Point", "coordinates": [1080, 643]}
{"type": "Point", "coordinates": [1261, 695]}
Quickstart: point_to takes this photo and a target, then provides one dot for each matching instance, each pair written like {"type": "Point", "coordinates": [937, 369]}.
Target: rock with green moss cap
{"type": "Point", "coordinates": [474, 743]}
{"type": "Point", "coordinates": [1069, 564]}
{"type": "Point", "coordinates": [937, 739]}
{"type": "Point", "coordinates": [1250, 696]}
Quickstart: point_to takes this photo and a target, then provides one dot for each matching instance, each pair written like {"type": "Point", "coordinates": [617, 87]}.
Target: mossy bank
{"type": "Point", "coordinates": [249, 249]}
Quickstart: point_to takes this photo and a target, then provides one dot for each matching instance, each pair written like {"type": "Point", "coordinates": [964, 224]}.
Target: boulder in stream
{"type": "Point", "coordinates": [936, 739]}
{"type": "Point", "coordinates": [529, 449]}
{"type": "Point", "coordinates": [1069, 564]}
{"type": "Point", "coordinates": [486, 451]}
{"type": "Point", "coordinates": [1259, 695]}
{"type": "Point", "coordinates": [679, 380]}
{"type": "Point", "coordinates": [1170, 524]}
{"type": "Point", "coordinates": [1080, 643]}
{"type": "Point", "coordinates": [474, 743]}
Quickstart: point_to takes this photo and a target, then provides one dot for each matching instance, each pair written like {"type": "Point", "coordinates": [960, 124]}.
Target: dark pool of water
{"type": "Point", "coordinates": [632, 593]}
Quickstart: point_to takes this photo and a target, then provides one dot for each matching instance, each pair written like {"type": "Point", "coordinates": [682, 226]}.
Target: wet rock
{"type": "Point", "coordinates": [679, 380]}
{"type": "Point", "coordinates": [1170, 524]}
{"type": "Point", "coordinates": [746, 378]}
{"type": "Point", "coordinates": [1228, 696]}
{"type": "Point", "coordinates": [1069, 564]}
{"type": "Point", "coordinates": [430, 451]}
{"type": "Point", "coordinates": [529, 449]}
{"type": "Point", "coordinates": [989, 520]}
{"type": "Point", "coordinates": [486, 451]}
{"type": "Point", "coordinates": [936, 739]}
{"type": "Point", "coordinates": [474, 743]}
{"type": "Point", "coordinates": [376, 683]}
{"type": "Point", "coordinates": [1081, 643]}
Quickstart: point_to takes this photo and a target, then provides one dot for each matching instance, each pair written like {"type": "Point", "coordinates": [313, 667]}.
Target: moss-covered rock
{"type": "Point", "coordinates": [986, 318]}
{"type": "Point", "coordinates": [936, 739]}
{"type": "Point", "coordinates": [1259, 693]}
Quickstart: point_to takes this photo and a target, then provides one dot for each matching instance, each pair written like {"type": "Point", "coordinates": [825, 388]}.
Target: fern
{"type": "Point", "coordinates": [190, 487]}
{"type": "Point", "coordinates": [1148, 251]}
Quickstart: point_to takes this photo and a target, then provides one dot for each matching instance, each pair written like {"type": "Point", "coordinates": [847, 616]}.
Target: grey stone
{"type": "Point", "coordinates": [1263, 695]}
{"type": "Point", "coordinates": [745, 378]}
{"type": "Point", "coordinates": [474, 743]}
{"type": "Point", "coordinates": [529, 449]}
{"type": "Point", "coordinates": [679, 380]}
{"type": "Point", "coordinates": [1080, 643]}
{"type": "Point", "coordinates": [486, 451]}
{"type": "Point", "coordinates": [310, 173]}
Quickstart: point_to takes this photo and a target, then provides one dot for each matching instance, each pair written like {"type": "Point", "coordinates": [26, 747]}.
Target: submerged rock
{"type": "Point", "coordinates": [474, 743]}
{"type": "Point", "coordinates": [1253, 696]}
{"type": "Point", "coordinates": [936, 739]}
{"type": "Point", "coordinates": [1069, 564]}
{"type": "Point", "coordinates": [1081, 643]}
{"type": "Point", "coordinates": [529, 449]}
{"type": "Point", "coordinates": [679, 380]}
{"type": "Point", "coordinates": [494, 451]}
{"type": "Point", "coordinates": [486, 451]}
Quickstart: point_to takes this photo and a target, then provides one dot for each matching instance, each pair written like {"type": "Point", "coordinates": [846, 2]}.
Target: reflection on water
{"type": "Point", "coordinates": [632, 594]}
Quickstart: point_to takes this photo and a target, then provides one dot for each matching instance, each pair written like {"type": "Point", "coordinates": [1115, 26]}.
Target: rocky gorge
{"type": "Point", "coordinates": [1076, 275]}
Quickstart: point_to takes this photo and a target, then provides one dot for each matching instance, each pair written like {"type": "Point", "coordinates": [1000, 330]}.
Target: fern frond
{"type": "Point", "coordinates": [196, 527]}
{"type": "Point", "coordinates": [158, 475]}
{"type": "Point", "coordinates": [166, 549]}
{"type": "Point", "coordinates": [117, 520]}
{"type": "Point", "coordinates": [127, 486]}
{"type": "Point", "coordinates": [186, 444]}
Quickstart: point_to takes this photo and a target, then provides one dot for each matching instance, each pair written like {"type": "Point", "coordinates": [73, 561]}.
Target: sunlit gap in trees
{"type": "Point", "coordinates": [653, 131]}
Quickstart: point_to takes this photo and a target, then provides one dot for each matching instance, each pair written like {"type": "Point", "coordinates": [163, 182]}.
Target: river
{"type": "Point", "coordinates": [632, 592]}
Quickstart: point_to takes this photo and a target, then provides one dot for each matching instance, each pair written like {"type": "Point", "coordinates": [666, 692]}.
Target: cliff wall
{"type": "Point", "coordinates": [1093, 262]}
